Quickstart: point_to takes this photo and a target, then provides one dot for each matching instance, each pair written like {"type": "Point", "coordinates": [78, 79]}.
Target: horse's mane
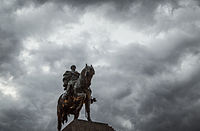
{"type": "Point", "coordinates": [83, 72]}
{"type": "Point", "coordinates": [80, 79]}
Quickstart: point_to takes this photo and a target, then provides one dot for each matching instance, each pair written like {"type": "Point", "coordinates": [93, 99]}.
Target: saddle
{"type": "Point", "coordinates": [72, 101]}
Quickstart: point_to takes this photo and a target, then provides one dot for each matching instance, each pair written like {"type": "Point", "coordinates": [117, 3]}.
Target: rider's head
{"type": "Point", "coordinates": [73, 67]}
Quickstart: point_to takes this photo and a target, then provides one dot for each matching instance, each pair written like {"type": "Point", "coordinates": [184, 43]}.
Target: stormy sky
{"type": "Point", "coordinates": [146, 55]}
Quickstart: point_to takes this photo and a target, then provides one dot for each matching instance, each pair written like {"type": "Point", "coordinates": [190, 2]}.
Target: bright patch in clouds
{"type": "Point", "coordinates": [31, 43]}
{"type": "Point", "coordinates": [96, 30]}
{"type": "Point", "coordinates": [7, 89]}
{"type": "Point", "coordinates": [45, 69]}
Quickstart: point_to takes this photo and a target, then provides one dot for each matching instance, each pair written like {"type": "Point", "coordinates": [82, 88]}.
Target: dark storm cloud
{"type": "Point", "coordinates": [12, 36]}
{"type": "Point", "coordinates": [135, 68]}
{"type": "Point", "coordinates": [118, 3]}
{"type": "Point", "coordinates": [174, 108]}
{"type": "Point", "coordinates": [87, 2]}
{"type": "Point", "coordinates": [141, 14]}
{"type": "Point", "coordinates": [17, 119]}
{"type": "Point", "coordinates": [23, 115]}
{"type": "Point", "coordinates": [39, 91]}
{"type": "Point", "coordinates": [138, 90]}
{"type": "Point", "coordinates": [153, 63]}
{"type": "Point", "coordinates": [32, 109]}
{"type": "Point", "coordinates": [145, 9]}
{"type": "Point", "coordinates": [9, 46]}
{"type": "Point", "coordinates": [9, 51]}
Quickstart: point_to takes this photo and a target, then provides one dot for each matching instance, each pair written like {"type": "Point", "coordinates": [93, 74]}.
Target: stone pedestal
{"type": "Point", "coordinates": [82, 125]}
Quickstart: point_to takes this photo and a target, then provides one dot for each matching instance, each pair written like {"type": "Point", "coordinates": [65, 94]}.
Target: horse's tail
{"type": "Point", "coordinates": [59, 114]}
{"type": "Point", "coordinates": [59, 106]}
{"type": "Point", "coordinates": [59, 126]}
{"type": "Point", "coordinates": [59, 98]}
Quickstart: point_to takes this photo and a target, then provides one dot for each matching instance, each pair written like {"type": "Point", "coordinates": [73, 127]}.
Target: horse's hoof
{"type": "Point", "coordinates": [89, 120]}
{"type": "Point", "coordinates": [93, 100]}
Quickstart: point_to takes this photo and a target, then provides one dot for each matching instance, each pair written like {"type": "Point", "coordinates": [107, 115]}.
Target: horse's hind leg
{"type": "Point", "coordinates": [76, 115]}
{"type": "Point", "coordinates": [65, 118]}
{"type": "Point", "coordinates": [59, 114]}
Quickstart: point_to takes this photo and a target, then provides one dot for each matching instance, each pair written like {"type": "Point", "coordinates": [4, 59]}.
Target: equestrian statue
{"type": "Point", "coordinates": [77, 92]}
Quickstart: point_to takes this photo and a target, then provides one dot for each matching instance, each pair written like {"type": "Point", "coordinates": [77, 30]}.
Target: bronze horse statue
{"type": "Point", "coordinates": [72, 101]}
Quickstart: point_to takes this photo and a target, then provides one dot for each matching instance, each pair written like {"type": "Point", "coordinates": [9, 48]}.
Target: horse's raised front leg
{"type": "Point", "coordinates": [87, 105]}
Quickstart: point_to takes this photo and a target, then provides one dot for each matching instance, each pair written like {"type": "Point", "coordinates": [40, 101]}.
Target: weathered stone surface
{"type": "Point", "coordinates": [82, 125]}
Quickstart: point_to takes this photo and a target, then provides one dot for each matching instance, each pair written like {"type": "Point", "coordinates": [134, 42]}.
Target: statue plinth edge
{"type": "Point", "coordinates": [83, 125]}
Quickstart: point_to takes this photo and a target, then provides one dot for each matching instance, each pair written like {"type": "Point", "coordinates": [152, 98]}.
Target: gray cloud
{"type": "Point", "coordinates": [10, 47]}
{"type": "Point", "coordinates": [138, 87]}
{"type": "Point", "coordinates": [136, 12]}
{"type": "Point", "coordinates": [163, 102]}
{"type": "Point", "coordinates": [174, 108]}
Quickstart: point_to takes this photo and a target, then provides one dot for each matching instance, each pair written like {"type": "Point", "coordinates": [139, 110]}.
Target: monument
{"type": "Point", "coordinates": [82, 125]}
{"type": "Point", "coordinates": [78, 92]}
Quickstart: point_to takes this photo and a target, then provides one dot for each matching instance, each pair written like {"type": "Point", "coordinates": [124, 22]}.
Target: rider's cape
{"type": "Point", "coordinates": [67, 76]}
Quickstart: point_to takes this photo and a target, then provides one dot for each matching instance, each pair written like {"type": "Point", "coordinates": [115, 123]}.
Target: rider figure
{"type": "Point", "coordinates": [70, 78]}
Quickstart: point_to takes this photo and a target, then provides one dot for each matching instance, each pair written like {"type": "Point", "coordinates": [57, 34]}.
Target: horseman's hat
{"type": "Point", "coordinates": [73, 66]}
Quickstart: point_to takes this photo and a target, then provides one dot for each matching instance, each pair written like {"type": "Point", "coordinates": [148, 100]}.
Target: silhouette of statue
{"type": "Point", "coordinates": [78, 93]}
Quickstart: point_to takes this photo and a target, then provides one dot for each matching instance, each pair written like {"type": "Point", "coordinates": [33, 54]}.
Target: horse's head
{"type": "Point", "coordinates": [88, 73]}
